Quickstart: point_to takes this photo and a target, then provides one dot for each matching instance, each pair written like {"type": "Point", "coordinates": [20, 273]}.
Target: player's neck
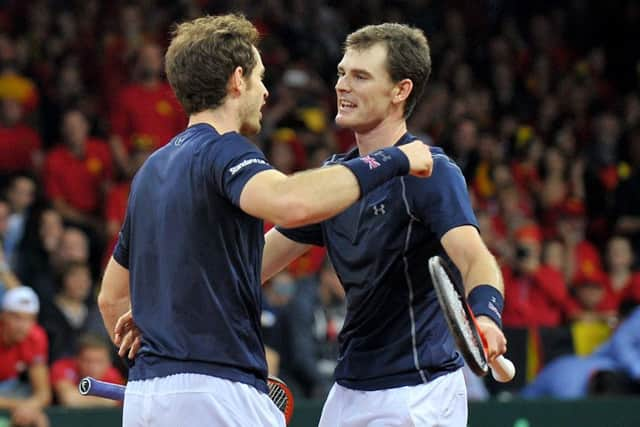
{"type": "Point", "coordinates": [384, 135]}
{"type": "Point", "coordinates": [222, 119]}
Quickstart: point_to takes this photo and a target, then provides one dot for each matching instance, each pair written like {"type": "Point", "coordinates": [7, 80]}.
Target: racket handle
{"type": "Point", "coordinates": [502, 369]}
{"type": "Point", "coordinates": [92, 387]}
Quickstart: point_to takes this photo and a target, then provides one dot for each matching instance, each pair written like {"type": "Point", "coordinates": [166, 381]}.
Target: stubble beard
{"type": "Point", "coordinates": [250, 119]}
{"type": "Point", "coordinates": [250, 125]}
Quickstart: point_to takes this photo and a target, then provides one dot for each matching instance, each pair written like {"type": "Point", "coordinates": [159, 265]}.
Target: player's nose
{"type": "Point", "coordinates": [341, 84]}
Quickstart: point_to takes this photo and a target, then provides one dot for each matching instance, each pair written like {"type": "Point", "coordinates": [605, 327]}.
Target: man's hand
{"type": "Point", "coordinates": [495, 341]}
{"type": "Point", "coordinates": [420, 159]}
{"type": "Point", "coordinates": [127, 336]}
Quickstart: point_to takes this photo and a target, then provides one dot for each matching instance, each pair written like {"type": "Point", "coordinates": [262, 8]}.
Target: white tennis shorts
{"type": "Point", "coordinates": [192, 400]}
{"type": "Point", "coordinates": [439, 403]}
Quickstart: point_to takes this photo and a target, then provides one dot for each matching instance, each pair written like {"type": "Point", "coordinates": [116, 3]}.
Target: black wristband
{"type": "Point", "coordinates": [378, 167]}
{"type": "Point", "coordinates": [486, 300]}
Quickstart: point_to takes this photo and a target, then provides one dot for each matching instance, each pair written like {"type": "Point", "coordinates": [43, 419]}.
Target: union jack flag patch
{"type": "Point", "coordinates": [373, 163]}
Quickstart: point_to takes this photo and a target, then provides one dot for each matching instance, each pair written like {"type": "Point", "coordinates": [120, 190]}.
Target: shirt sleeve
{"type": "Point", "coordinates": [121, 251]}
{"type": "Point", "coordinates": [442, 201]}
{"type": "Point", "coordinates": [62, 369]}
{"type": "Point", "coordinates": [309, 234]}
{"type": "Point", "coordinates": [235, 161]}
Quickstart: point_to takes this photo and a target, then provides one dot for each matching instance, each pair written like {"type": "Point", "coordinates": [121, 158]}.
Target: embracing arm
{"type": "Point", "coordinates": [302, 198]}
{"type": "Point", "coordinates": [318, 194]}
{"type": "Point", "coordinates": [279, 251]}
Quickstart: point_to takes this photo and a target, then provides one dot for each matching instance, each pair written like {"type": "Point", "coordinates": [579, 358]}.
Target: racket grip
{"type": "Point", "coordinates": [502, 369]}
{"type": "Point", "coordinates": [90, 386]}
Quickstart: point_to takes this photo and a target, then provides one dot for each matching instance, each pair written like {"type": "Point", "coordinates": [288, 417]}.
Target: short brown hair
{"type": "Point", "coordinates": [202, 56]}
{"type": "Point", "coordinates": [90, 340]}
{"type": "Point", "coordinates": [408, 55]}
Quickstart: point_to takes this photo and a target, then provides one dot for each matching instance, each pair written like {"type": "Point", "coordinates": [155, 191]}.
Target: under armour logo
{"type": "Point", "coordinates": [379, 209]}
{"type": "Point", "coordinates": [382, 155]}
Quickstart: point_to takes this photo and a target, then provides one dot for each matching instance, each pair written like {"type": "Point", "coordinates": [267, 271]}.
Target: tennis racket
{"type": "Point", "coordinates": [279, 393]}
{"type": "Point", "coordinates": [463, 326]}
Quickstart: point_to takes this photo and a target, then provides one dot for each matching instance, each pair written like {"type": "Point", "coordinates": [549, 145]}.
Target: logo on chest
{"type": "Point", "coordinates": [379, 209]}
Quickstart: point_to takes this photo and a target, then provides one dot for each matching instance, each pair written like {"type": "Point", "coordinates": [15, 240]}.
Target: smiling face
{"type": "Point", "coordinates": [254, 99]}
{"type": "Point", "coordinates": [364, 90]}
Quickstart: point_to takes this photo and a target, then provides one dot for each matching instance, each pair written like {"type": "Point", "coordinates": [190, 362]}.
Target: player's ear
{"type": "Point", "coordinates": [236, 82]}
{"type": "Point", "coordinates": [402, 90]}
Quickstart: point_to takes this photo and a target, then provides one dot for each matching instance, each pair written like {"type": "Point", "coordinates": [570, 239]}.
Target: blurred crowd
{"type": "Point", "coordinates": [538, 102]}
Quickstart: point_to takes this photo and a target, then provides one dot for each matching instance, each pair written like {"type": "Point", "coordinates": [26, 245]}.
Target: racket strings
{"type": "Point", "coordinates": [464, 324]}
{"type": "Point", "coordinates": [278, 396]}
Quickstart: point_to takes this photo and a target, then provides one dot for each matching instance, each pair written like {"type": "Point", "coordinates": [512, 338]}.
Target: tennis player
{"type": "Point", "coordinates": [397, 364]}
{"type": "Point", "coordinates": [189, 253]}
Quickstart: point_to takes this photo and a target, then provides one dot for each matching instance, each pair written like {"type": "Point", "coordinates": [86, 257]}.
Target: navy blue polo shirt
{"type": "Point", "coordinates": [194, 259]}
{"type": "Point", "coordinates": [395, 333]}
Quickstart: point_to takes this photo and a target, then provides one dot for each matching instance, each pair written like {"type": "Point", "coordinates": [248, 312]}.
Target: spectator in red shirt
{"type": "Point", "coordinates": [594, 297]}
{"type": "Point", "coordinates": [76, 172]}
{"type": "Point", "coordinates": [121, 42]}
{"type": "Point", "coordinates": [621, 280]}
{"type": "Point", "coordinates": [92, 360]}
{"type": "Point", "coordinates": [23, 348]}
{"type": "Point", "coordinates": [147, 114]}
{"type": "Point", "coordinates": [20, 146]}
{"type": "Point", "coordinates": [583, 257]}
{"type": "Point", "coordinates": [537, 294]}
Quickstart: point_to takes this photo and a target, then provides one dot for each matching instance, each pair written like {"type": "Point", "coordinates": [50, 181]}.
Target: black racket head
{"type": "Point", "coordinates": [281, 396]}
{"type": "Point", "coordinates": [459, 318]}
